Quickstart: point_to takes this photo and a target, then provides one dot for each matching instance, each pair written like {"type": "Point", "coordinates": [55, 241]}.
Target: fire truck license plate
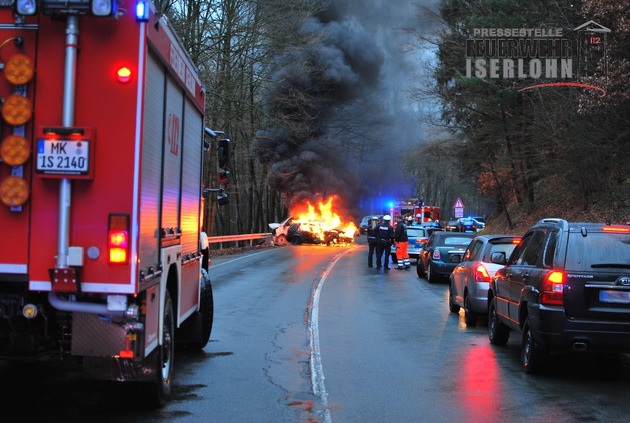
{"type": "Point", "coordinates": [63, 157]}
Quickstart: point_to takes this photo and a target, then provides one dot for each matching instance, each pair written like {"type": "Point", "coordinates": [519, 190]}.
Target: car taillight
{"type": "Point", "coordinates": [481, 274]}
{"type": "Point", "coordinates": [552, 289]}
{"type": "Point", "coordinates": [436, 254]}
{"type": "Point", "coordinates": [118, 239]}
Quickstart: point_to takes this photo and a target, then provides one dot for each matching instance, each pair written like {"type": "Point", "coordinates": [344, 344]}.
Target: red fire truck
{"type": "Point", "coordinates": [415, 208]}
{"type": "Point", "coordinates": [100, 189]}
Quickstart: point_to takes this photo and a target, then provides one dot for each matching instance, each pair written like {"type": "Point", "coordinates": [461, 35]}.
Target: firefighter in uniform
{"type": "Point", "coordinates": [384, 239]}
{"type": "Point", "coordinates": [371, 238]}
{"type": "Point", "coordinates": [402, 244]}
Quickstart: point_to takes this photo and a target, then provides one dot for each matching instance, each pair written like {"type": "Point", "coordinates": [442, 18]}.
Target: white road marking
{"type": "Point", "coordinates": [212, 266]}
{"type": "Point", "coordinates": [317, 370]}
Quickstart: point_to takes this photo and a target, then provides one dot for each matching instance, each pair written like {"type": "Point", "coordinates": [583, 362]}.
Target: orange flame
{"type": "Point", "coordinates": [322, 217]}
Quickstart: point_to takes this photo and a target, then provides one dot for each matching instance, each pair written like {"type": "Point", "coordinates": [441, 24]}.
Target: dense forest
{"type": "Point", "coordinates": [367, 101]}
{"type": "Point", "coordinates": [554, 150]}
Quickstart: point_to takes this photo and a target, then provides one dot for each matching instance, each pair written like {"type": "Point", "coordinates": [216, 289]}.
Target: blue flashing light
{"type": "Point", "coordinates": [142, 11]}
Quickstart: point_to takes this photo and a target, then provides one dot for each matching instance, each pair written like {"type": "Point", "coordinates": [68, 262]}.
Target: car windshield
{"type": "Point", "coordinates": [598, 250]}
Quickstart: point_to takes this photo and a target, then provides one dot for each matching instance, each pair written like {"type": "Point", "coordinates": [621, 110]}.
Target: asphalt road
{"type": "Point", "coordinates": [311, 334]}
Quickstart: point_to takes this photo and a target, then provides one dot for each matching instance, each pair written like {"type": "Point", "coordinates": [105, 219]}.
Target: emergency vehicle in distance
{"type": "Point", "coordinates": [415, 208]}
{"type": "Point", "coordinates": [101, 191]}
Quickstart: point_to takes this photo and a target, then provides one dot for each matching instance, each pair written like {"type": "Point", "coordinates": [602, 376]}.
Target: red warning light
{"type": "Point", "coordinates": [124, 75]}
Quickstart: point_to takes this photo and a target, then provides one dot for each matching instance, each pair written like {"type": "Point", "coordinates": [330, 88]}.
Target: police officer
{"type": "Point", "coordinates": [371, 238]}
{"type": "Point", "coordinates": [384, 239]}
{"type": "Point", "coordinates": [402, 244]}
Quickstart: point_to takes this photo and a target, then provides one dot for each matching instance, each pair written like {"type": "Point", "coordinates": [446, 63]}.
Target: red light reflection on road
{"type": "Point", "coordinates": [481, 384]}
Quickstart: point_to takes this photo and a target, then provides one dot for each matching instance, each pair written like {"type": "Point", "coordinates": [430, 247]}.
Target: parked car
{"type": "Point", "coordinates": [480, 219]}
{"type": "Point", "coordinates": [470, 279]}
{"type": "Point", "coordinates": [480, 225]}
{"type": "Point", "coordinates": [451, 226]}
{"type": "Point", "coordinates": [566, 286]}
{"type": "Point", "coordinates": [442, 253]}
{"type": "Point", "coordinates": [466, 224]}
{"type": "Point", "coordinates": [418, 238]}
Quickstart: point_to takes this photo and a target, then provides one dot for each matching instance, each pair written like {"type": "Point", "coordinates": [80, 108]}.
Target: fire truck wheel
{"type": "Point", "coordinates": [206, 308]}
{"type": "Point", "coordinates": [159, 390]}
{"type": "Point", "coordinates": [281, 239]}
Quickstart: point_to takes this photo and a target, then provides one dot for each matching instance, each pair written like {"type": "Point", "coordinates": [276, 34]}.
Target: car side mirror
{"type": "Point", "coordinates": [498, 258]}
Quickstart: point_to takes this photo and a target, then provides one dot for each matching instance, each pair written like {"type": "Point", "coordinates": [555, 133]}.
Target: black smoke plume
{"type": "Point", "coordinates": [335, 125]}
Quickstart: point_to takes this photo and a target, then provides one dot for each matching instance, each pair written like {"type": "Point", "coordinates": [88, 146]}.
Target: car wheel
{"type": "Point", "coordinates": [431, 278]}
{"type": "Point", "coordinates": [470, 317]}
{"type": "Point", "coordinates": [532, 353]}
{"type": "Point", "coordinates": [420, 268]}
{"type": "Point", "coordinates": [497, 331]}
{"type": "Point", "coordinates": [454, 308]}
{"type": "Point", "coordinates": [281, 239]}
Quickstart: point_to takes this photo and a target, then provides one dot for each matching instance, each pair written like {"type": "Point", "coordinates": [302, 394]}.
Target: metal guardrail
{"type": "Point", "coordinates": [238, 239]}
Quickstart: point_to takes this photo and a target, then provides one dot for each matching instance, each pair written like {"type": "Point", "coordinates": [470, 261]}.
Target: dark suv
{"type": "Point", "coordinates": [565, 286]}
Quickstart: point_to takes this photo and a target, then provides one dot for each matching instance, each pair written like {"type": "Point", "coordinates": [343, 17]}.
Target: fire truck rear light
{"type": "Point", "coordinates": [29, 311]}
{"type": "Point", "coordinates": [17, 110]}
{"type": "Point", "coordinates": [18, 70]}
{"type": "Point", "coordinates": [117, 255]}
{"type": "Point", "coordinates": [123, 75]}
{"type": "Point", "coordinates": [118, 238]}
{"type": "Point", "coordinates": [15, 150]}
{"type": "Point", "coordinates": [26, 7]}
{"type": "Point", "coordinates": [14, 191]}
{"type": "Point", "coordinates": [126, 354]}
{"type": "Point", "coordinates": [103, 7]}
{"type": "Point", "coordinates": [142, 11]}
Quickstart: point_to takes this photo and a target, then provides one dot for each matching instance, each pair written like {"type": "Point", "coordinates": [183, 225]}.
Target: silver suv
{"type": "Point", "coordinates": [566, 286]}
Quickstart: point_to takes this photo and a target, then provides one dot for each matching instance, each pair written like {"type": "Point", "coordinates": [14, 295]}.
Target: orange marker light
{"type": "Point", "coordinates": [19, 69]}
{"type": "Point", "coordinates": [124, 75]}
{"type": "Point", "coordinates": [14, 150]}
{"type": "Point", "coordinates": [17, 110]}
{"type": "Point", "coordinates": [14, 191]}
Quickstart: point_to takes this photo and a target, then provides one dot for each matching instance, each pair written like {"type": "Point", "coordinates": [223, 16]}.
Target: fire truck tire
{"type": "Point", "coordinates": [206, 308]}
{"type": "Point", "coordinates": [281, 239]}
{"type": "Point", "coordinates": [158, 391]}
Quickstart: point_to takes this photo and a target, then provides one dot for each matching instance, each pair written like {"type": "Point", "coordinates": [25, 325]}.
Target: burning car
{"type": "Point", "coordinates": [304, 233]}
{"type": "Point", "coordinates": [313, 224]}
{"type": "Point", "coordinates": [279, 231]}
{"type": "Point", "coordinates": [337, 237]}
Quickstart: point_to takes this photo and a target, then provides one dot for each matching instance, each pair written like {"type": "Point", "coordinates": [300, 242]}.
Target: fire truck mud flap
{"type": "Point", "coordinates": [151, 377]}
